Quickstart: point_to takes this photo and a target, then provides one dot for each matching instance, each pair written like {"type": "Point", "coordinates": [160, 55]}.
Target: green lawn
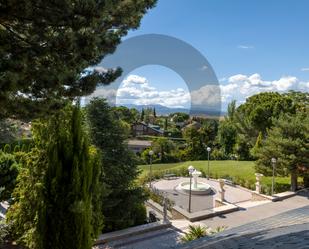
{"type": "Point", "coordinates": [240, 169]}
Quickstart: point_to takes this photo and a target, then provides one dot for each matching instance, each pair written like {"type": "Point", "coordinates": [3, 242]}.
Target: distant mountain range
{"type": "Point", "coordinates": [164, 110]}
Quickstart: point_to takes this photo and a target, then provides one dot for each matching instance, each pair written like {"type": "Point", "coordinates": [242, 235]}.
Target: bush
{"type": "Point", "coordinates": [158, 197]}
{"type": "Point", "coordinates": [198, 231]}
{"type": "Point", "coordinates": [8, 174]}
{"type": "Point", "coordinates": [170, 158]}
{"type": "Point", "coordinates": [218, 155]}
{"type": "Point", "coordinates": [4, 231]}
{"type": "Point", "coordinates": [195, 232]}
{"type": "Point", "coordinates": [27, 143]}
{"type": "Point", "coordinates": [140, 214]}
{"type": "Point", "coordinates": [278, 188]}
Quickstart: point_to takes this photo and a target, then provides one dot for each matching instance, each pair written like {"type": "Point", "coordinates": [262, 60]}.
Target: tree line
{"type": "Point", "coordinates": [268, 125]}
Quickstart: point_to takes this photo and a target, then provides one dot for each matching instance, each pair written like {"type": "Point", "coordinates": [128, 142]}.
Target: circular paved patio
{"type": "Point", "coordinates": [198, 203]}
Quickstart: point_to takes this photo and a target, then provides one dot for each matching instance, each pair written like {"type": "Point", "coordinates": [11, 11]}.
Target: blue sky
{"type": "Point", "coordinates": [253, 46]}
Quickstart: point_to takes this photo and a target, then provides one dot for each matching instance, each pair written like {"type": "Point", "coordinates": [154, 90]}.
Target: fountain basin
{"type": "Point", "coordinates": [199, 189]}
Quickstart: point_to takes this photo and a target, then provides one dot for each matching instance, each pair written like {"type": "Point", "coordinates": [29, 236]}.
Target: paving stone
{"type": "Point", "coordinates": [288, 230]}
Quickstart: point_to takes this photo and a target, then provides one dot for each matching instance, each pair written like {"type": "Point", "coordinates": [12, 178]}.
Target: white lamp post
{"type": "Point", "coordinates": [273, 161]}
{"type": "Point", "coordinates": [150, 167]}
{"type": "Point", "coordinates": [191, 170]}
{"type": "Point", "coordinates": [208, 150]}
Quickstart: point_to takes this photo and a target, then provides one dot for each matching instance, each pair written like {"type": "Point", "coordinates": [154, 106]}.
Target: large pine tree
{"type": "Point", "coordinates": [45, 46]}
{"type": "Point", "coordinates": [288, 142]}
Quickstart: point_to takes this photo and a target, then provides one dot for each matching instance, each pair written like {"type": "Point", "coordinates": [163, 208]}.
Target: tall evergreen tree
{"type": "Point", "coordinates": [45, 47]}
{"type": "Point", "coordinates": [258, 144]}
{"type": "Point", "coordinates": [142, 115]}
{"type": "Point", "coordinates": [123, 206]}
{"type": "Point", "coordinates": [56, 199]}
{"type": "Point", "coordinates": [231, 109]}
{"type": "Point", "coordinates": [165, 124]}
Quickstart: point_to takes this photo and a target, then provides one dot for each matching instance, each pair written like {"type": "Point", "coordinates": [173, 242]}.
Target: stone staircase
{"type": "Point", "coordinates": [285, 230]}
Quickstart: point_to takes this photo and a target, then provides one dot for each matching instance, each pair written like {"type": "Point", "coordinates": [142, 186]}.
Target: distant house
{"type": "Point", "coordinates": [141, 128]}
{"type": "Point", "coordinates": [137, 146]}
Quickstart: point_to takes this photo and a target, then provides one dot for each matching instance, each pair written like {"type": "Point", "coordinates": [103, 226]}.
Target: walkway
{"type": "Point", "coordinates": [201, 202]}
{"type": "Point", "coordinates": [291, 214]}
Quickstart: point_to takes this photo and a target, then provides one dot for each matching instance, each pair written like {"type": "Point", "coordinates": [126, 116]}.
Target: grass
{"type": "Point", "coordinates": [240, 169]}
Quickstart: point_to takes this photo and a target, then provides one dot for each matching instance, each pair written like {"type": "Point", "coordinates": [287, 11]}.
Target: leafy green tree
{"type": "Point", "coordinates": [208, 131]}
{"type": "Point", "coordinates": [258, 112]}
{"type": "Point", "coordinates": [46, 46]}
{"type": "Point", "coordinates": [227, 135]}
{"type": "Point", "coordinates": [125, 114]}
{"type": "Point", "coordinates": [288, 141]}
{"type": "Point", "coordinates": [179, 116]}
{"type": "Point", "coordinates": [300, 100]}
{"type": "Point", "coordinates": [262, 108]}
{"type": "Point", "coordinates": [256, 116]}
{"type": "Point", "coordinates": [8, 174]}
{"type": "Point", "coordinates": [118, 167]}
{"type": "Point", "coordinates": [196, 147]}
{"type": "Point", "coordinates": [199, 138]}
{"type": "Point", "coordinates": [165, 147]}
{"type": "Point", "coordinates": [58, 194]}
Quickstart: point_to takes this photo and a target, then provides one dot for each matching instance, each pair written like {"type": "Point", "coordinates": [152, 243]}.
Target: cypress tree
{"type": "Point", "coordinates": [63, 175]}
{"type": "Point", "coordinates": [165, 124]}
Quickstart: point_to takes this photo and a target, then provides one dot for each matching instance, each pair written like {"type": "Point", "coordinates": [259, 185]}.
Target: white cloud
{"type": "Point", "coordinates": [237, 77]}
{"type": "Point", "coordinates": [207, 95]}
{"type": "Point", "coordinates": [134, 79]}
{"type": "Point", "coordinates": [245, 46]}
{"type": "Point", "coordinates": [285, 83]}
{"type": "Point", "coordinates": [109, 94]}
{"type": "Point", "coordinates": [304, 69]}
{"type": "Point", "coordinates": [240, 86]}
{"type": "Point", "coordinates": [137, 90]}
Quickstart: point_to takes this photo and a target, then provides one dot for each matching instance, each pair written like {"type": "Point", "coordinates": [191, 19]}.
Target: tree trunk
{"type": "Point", "coordinates": [293, 181]}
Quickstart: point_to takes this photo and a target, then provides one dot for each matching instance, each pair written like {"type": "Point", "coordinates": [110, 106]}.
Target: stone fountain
{"type": "Point", "coordinates": [197, 188]}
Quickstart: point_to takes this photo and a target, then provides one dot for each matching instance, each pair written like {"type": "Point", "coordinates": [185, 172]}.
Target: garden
{"type": "Point", "coordinates": [239, 172]}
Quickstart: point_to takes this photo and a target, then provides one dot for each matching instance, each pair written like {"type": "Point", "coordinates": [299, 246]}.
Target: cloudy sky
{"type": "Point", "coordinates": [138, 90]}
{"type": "Point", "coordinates": [253, 46]}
